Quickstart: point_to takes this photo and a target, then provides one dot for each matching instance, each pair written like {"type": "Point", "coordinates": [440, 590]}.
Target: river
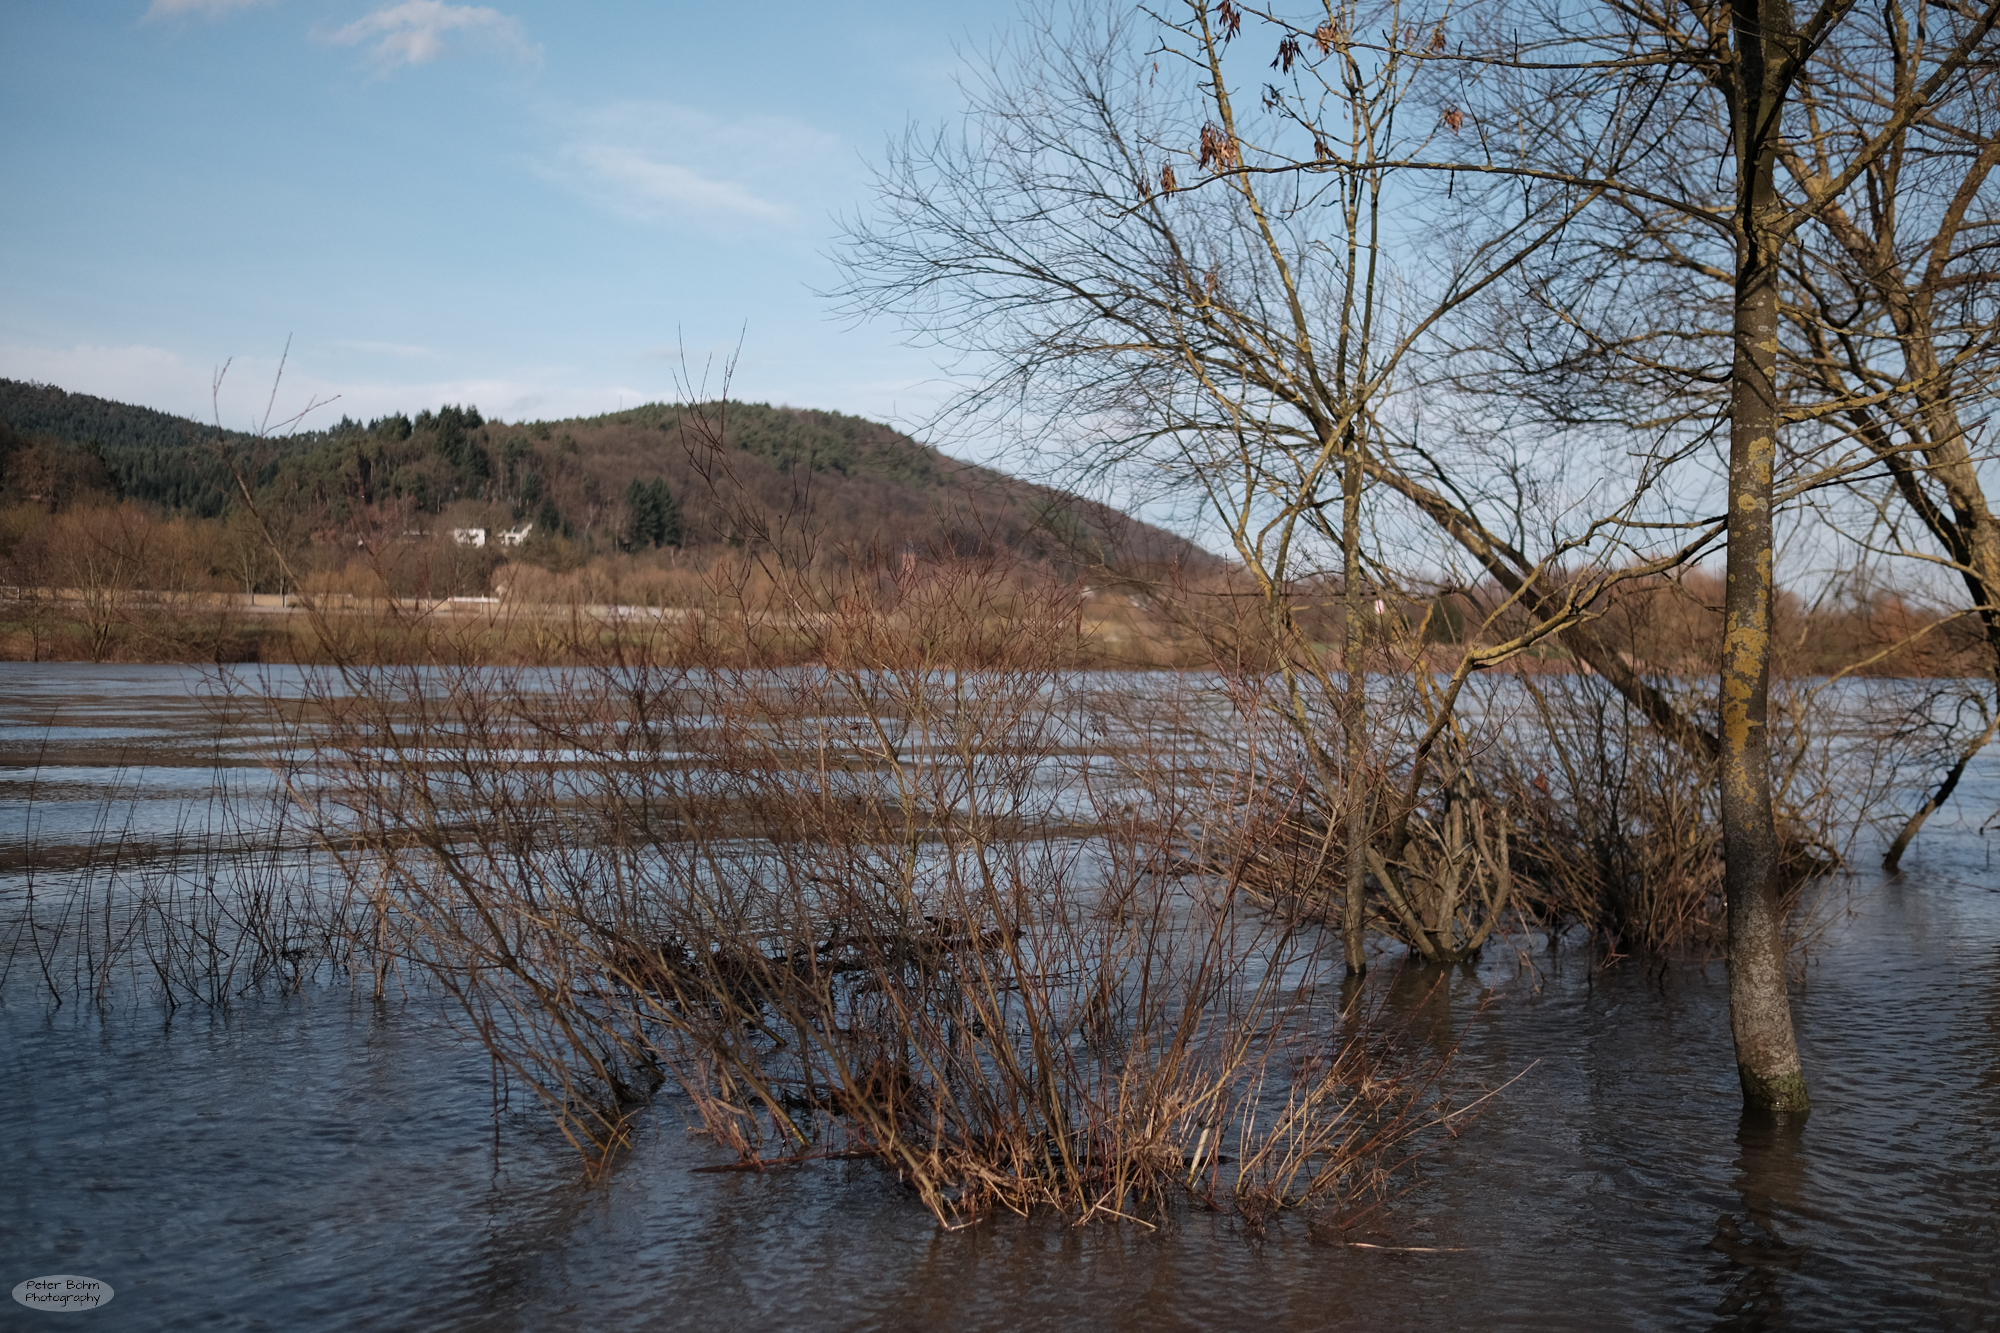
{"type": "Point", "coordinates": [323, 1161]}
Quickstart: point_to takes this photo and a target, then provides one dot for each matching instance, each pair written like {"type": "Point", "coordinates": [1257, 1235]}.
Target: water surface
{"type": "Point", "coordinates": [326, 1162]}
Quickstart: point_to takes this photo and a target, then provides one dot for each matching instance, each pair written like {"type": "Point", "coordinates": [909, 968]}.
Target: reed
{"type": "Point", "coordinates": [232, 898]}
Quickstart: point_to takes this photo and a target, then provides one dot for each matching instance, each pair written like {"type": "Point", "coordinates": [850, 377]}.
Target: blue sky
{"type": "Point", "coordinates": [528, 206]}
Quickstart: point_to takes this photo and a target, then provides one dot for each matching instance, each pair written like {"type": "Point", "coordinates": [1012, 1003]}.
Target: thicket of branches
{"type": "Point", "coordinates": [1523, 304]}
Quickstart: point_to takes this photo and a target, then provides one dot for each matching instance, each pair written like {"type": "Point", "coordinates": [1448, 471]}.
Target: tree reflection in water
{"type": "Point", "coordinates": [1770, 1178]}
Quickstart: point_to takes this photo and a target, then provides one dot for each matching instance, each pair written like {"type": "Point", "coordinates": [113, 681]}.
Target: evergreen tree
{"type": "Point", "coordinates": [669, 511]}
{"type": "Point", "coordinates": [456, 444]}
{"type": "Point", "coordinates": [653, 516]}
{"type": "Point", "coordinates": [549, 521]}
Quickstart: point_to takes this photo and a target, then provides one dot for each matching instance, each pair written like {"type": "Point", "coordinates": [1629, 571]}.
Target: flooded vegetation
{"type": "Point", "coordinates": [339, 1119]}
{"type": "Point", "coordinates": [855, 920]}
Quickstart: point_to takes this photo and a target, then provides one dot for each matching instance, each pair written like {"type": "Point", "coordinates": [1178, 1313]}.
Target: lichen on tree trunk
{"type": "Point", "coordinates": [1760, 1013]}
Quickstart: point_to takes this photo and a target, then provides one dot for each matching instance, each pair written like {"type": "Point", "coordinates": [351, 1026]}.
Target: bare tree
{"type": "Point", "coordinates": [1895, 303]}
{"type": "Point", "coordinates": [1169, 276]}
{"type": "Point", "coordinates": [1147, 259]}
{"type": "Point", "coordinates": [1719, 92]}
{"type": "Point", "coordinates": [1886, 321]}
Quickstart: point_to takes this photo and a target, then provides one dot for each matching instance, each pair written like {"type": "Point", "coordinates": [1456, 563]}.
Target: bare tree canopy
{"type": "Point", "coordinates": [1657, 229]}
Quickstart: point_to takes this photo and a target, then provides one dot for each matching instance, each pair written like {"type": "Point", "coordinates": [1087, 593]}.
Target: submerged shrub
{"type": "Point", "coordinates": [919, 902]}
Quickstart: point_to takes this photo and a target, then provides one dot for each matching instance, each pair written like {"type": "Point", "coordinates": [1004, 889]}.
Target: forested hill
{"type": "Point", "coordinates": [620, 481]}
{"type": "Point", "coordinates": [43, 409]}
{"type": "Point", "coordinates": [153, 456]}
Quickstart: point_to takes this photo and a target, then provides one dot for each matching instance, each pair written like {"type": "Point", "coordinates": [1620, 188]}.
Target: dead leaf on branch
{"type": "Point", "coordinates": [1218, 148]}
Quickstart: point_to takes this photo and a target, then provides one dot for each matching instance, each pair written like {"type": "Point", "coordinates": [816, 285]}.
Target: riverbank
{"type": "Point", "coordinates": [1111, 631]}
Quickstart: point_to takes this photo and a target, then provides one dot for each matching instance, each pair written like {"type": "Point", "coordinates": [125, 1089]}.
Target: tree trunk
{"type": "Point", "coordinates": [1355, 925]}
{"type": "Point", "coordinates": [1767, 1057]}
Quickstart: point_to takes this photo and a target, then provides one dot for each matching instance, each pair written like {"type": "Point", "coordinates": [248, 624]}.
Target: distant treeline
{"type": "Point", "coordinates": [182, 465]}
{"type": "Point", "coordinates": [419, 504]}
{"type": "Point", "coordinates": [173, 462]}
{"type": "Point", "coordinates": [619, 508]}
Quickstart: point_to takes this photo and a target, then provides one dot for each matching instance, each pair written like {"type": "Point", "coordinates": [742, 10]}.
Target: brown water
{"type": "Point", "coordinates": [323, 1163]}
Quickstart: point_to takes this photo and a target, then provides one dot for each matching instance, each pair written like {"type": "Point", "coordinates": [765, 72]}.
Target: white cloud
{"type": "Point", "coordinates": [659, 162]}
{"type": "Point", "coordinates": [168, 382]}
{"type": "Point", "coordinates": [548, 393]}
{"type": "Point", "coordinates": [415, 32]}
{"type": "Point", "coordinates": [335, 377]}
{"type": "Point", "coordinates": [211, 9]}
{"type": "Point", "coordinates": [649, 187]}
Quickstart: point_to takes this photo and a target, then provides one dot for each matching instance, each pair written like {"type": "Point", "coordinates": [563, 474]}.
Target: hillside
{"type": "Point", "coordinates": [155, 457]}
{"type": "Point", "coordinates": [642, 479]}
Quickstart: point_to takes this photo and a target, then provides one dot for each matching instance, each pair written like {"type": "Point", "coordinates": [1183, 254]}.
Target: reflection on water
{"type": "Point", "coordinates": [325, 1163]}
{"type": "Point", "coordinates": [1770, 1177]}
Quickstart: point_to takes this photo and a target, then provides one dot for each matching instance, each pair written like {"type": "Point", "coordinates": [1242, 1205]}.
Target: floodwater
{"type": "Point", "coordinates": [323, 1162]}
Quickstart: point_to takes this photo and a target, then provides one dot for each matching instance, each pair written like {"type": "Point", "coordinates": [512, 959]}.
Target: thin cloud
{"type": "Point", "coordinates": [159, 378]}
{"type": "Point", "coordinates": [417, 32]}
{"type": "Point", "coordinates": [146, 374]}
{"type": "Point", "coordinates": [649, 187]}
{"type": "Point", "coordinates": [208, 9]}
{"type": "Point", "coordinates": [660, 162]}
